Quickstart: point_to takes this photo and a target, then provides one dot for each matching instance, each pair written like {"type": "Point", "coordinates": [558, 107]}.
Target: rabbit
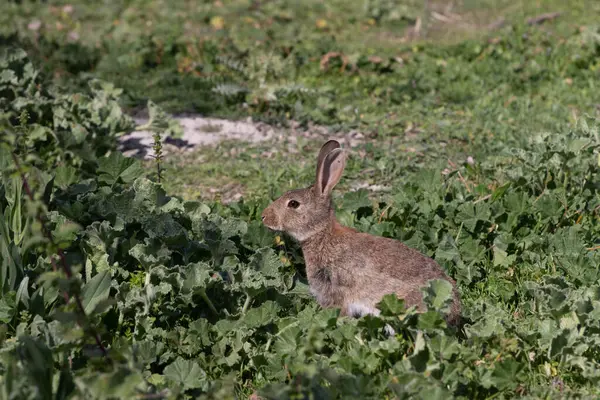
{"type": "Point", "coordinates": [348, 269]}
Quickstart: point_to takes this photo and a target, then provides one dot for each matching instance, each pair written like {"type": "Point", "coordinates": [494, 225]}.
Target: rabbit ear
{"type": "Point", "coordinates": [330, 172]}
{"type": "Point", "coordinates": [325, 149]}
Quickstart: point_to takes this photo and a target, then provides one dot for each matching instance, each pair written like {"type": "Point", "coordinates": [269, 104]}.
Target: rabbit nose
{"type": "Point", "coordinates": [262, 218]}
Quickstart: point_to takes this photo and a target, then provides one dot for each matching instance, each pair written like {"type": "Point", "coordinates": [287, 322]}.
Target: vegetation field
{"type": "Point", "coordinates": [472, 130]}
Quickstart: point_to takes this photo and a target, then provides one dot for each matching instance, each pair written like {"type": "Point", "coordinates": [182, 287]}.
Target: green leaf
{"type": "Point", "coordinates": [65, 176]}
{"type": "Point", "coordinates": [96, 290]}
{"type": "Point", "coordinates": [470, 214]}
{"type": "Point", "coordinates": [505, 374]}
{"type": "Point", "coordinates": [66, 232]}
{"type": "Point", "coordinates": [164, 227]}
{"type": "Point", "coordinates": [501, 257]}
{"type": "Point", "coordinates": [499, 192]}
{"type": "Point", "coordinates": [196, 210]}
{"type": "Point", "coordinates": [431, 320]}
{"type": "Point", "coordinates": [265, 314]}
{"type": "Point", "coordinates": [352, 201]}
{"type": "Point", "coordinates": [120, 383]}
{"type": "Point", "coordinates": [444, 346]}
{"type": "Point", "coordinates": [23, 293]}
{"type": "Point", "coordinates": [420, 357]}
{"type": "Point", "coordinates": [185, 373]}
{"type": "Point", "coordinates": [39, 364]}
{"type": "Point", "coordinates": [117, 167]}
{"type": "Point", "coordinates": [438, 294]}
{"type": "Point", "coordinates": [147, 352]}
{"type": "Point", "coordinates": [8, 76]}
{"type": "Point", "coordinates": [560, 343]}
{"type": "Point", "coordinates": [447, 250]}
{"type": "Point", "coordinates": [150, 254]}
{"type": "Point", "coordinates": [156, 380]}
{"type": "Point", "coordinates": [8, 307]}
{"type": "Point", "coordinates": [160, 121]}
{"type": "Point", "coordinates": [391, 305]}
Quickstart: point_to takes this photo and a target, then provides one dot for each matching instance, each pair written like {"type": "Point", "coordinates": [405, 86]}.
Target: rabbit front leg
{"type": "Point", "coordinates": [323, 288]}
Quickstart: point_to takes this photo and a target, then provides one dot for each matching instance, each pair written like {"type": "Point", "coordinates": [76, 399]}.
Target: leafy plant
{"type": "Point", "coordinates": [267, 81]}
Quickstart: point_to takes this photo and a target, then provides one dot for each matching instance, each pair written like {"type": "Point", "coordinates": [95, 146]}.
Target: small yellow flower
{"type": "Point", "coordinates": [217, 22]}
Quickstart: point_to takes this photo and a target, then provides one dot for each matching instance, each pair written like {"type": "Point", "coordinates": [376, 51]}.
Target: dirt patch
{"type": "Point", "coordinates": [197, 131]}
{"type": "Point", "coordinates": [200, 131]}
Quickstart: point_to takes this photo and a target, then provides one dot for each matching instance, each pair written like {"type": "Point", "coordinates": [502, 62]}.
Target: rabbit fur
{"type": "Point", "coordinates": [346, 268]}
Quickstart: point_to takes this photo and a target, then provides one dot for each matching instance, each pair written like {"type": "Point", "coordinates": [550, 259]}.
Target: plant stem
{"type": "Point", "coordinates": [207, 300]}
{"type": "Point", "coordinates": [246, 304]}
{"type": "Point", "coordinates": [158, 171]}
{"type": "Point", "coordinates": [157, 154]}
{"type": "Point", "coordinates": [268, 345]}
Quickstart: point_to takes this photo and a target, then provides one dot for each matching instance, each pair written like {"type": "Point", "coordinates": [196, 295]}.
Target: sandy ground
{"type": "Point", "coordinates": [197, 131]}
{"type": "Point", "coordinates": [201, 131]}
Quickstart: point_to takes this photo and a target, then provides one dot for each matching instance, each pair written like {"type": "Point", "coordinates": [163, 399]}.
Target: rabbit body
{"type": "Point", "coordinates": [346, 268]}
{"type": "Point", "coordinates": [353, 270]}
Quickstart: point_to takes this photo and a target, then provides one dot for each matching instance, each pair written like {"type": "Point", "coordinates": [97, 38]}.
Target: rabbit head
{"type": "Point", "coordinates": [303, 212]}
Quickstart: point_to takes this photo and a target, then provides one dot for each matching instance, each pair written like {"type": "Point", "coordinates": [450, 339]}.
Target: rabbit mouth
{"type": "Point", "coordinates": [270, 226]}
{"type": "Point", "coordinates": [273, 228]}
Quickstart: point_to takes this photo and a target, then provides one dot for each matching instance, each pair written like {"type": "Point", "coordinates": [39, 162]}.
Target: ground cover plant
{"type": "Point", "coordinates": [121, 280]}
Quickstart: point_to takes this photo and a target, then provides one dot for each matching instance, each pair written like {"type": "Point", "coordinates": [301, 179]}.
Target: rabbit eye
{"type": "Point", "coordinates": [293, 204]}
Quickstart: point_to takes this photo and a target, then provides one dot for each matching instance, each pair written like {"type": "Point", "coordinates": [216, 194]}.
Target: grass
{"type": "Point", "coordinates": [424, 81]}
{"type": "Point", "coordinates": [166, 50]}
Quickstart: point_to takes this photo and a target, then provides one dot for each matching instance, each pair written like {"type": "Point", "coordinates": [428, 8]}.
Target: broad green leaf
{"type": "Point", "coordinates": [352, 201]}
{"type": "Point", "coordinates": [39, 364]}
{"type": "Point", "coordinates": [121, 383]}
{"type": "Point", "coordinates": [65, 232]}
{"type": "Point", "coordinates": [150, 254]}
{"type": "Point", "coordinates": [391, 305]}
{"type": "Point", "coordinates": [116, 166]}
{"type": "Point", "coordinates": [65, 176]}
{"type": "Point", "coordinates": [96, 290]}
{"type": "Point", "coordinates": [420, 357]}
{"type": "Point", "coordinates": [506, 374]}
{"type": "Point", "coordinates": [164, 227]}
{"type": "Point", "coordinates": [447, 250]}
{"type": "Point", "coordinates": [8, 307]}
{"type": "Point", "coordinates": [469, 215]}
{"type": "Point", "coordinates": [265, 314]}
{"type": "Point", "coordinates": [196, 210]}
{"type": "Point", "coordinates": [438, 294]}
{"type": "Point", "coordinates": [185, 373]}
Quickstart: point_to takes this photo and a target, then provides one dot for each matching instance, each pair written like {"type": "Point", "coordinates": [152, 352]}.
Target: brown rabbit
{"type": "Point", "coordinates": [347, 268]}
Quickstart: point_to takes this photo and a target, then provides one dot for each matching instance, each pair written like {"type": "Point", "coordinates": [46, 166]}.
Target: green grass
{"type": "Point", "coordinates": [444, 102]}
{"type": "Point", "coordinates": [455, 90]}
{"type": "Point", "coordinates": [168, 51]}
